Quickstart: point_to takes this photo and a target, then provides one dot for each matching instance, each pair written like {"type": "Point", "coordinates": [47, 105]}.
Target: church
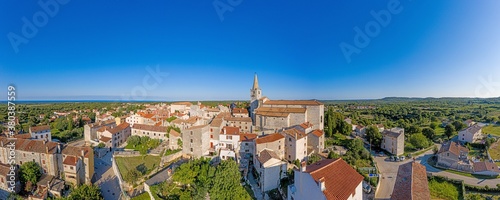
{"type": "Point", "coordinates": [269, 116]}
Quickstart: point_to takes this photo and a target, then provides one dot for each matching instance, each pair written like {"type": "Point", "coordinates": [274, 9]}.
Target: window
{"type": "Point", "coordinates": [289, 139]}
{"type": "Point", "coordinates": [279, 147]}
{"type": "Point", "coordinates": [447, 154]}
{"type": "Point", "coordinates": [211, 136]}
{"type": "Point", "coordinates": [191, 132]}
{"type": "Point", "coordinates": [71, 168]}
{"type": "Point", "coordinates": [191, 140]}
{"type": "Point", "coordinates": [191, 150]}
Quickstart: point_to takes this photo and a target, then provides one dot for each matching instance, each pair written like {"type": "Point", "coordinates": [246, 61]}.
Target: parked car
{"type": "Point", "coordinates": [402, 158]}
{"type": "Point", "coordinates": [366, 187]}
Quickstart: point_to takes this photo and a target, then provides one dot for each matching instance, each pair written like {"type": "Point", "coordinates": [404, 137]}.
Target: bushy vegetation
{"type": "Point", "coordinates": [198, 178]}
{"type": "Point", "coordinates": [142, 144]}
{"type": "Point", "coordinates": [29, 174]}
{"type": "Point", "coordinates": [443, 189]}
{"type": "Point", "coordinates": [357, 155]}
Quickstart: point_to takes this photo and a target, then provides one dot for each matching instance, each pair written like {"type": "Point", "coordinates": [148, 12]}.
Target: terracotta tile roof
{"type": "Point", "coordinates": [239, 119]}
{"type": "Point", "coordinates": [70, 160]}
{"type": "Point", "coordinates": [485, 166]}
{"type": "Point", "coordinates": [192, 120]}
{"type": "Point", "coordinates": [174, 133]}
{"type": "Point", "coordinates": [306, 125]}
{"type": "Point", "coordinates": [40, 128]}
{"type": "Point", "coordinates": [77, 151]}
{"type": "Point", "coordinates": [119, 128]}
{"type": "Point", "coordinates": [454, 148]}
{"type": "Point", "coordinates": [411, 183]}
{"type": "Point", "coordinates": [295, 133]}
{"type": "Point", "coordinates": [317, 133]}
{"type": "Point", "coordinates": [341, 180]}
{"type": "Point", "coordinates": [269, 138]}
{"type": "Point", "coordinates": [105, 139]}
{"type": "Point", "coordinates": [230, 130]}
{"type": "Point", "coordinates": [23, 136]}
{"type": "Point", "coordinates": [37, 146]}
{"type": "Point", "coordinates": [247, 137]}
{"type": "Point", "coordinates": [212, 110]}
{"type": "Point", "coordinates": [293, 102]}
{"type": "Point", "coordinates": [266, 155]}
{"type": "Point", "coordinates": [150, 128]}
{"type": "Point", "coordinates": [278, 112]}
{"type": "Point", "coordinates": [216, 122]}
{"type": "Point", "coordinates": [4, 169]}
{"type": "Point", "coordinates": [196, 127]}
{"type": "Point", "coordinates": [240, 111]}
{"type": "Point", "coordinates": [178, 121]}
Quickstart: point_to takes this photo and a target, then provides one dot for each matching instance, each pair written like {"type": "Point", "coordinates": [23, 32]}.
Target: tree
{"type": "Point", "coordinates": [413, 129]}
{"type": "Point", "coordinates": [333, 155]}
{"type": "Point", "coordinates": [419, 141]}
{"type": "Point", "coordinates": [429, 132]}
{"type": "Point", "coordinates": [29, 173]}
{"type": "Point", "coordinates": [134, 140]}
{"type": "Point", "coordinates": [373, 135]}
{"type": "Point", "coordinates": [296, 162]}
{"type": "Point", "coordinates": [101, 145]}
{"type": "Point", "coordinates": [87, 192]}
{"type": "Point", "coordinates": [433, 125]}
{"type": "Point", "coordinates": [449, 130]}
{"type": "Point", "coordinates": [344, 128]}
{"type": "Point", "coordinates": [489, 142]}
{"type": "Point", "coordinates": [179, 142]}
{"type": "Point", "coordinates": [132, 175]}
{"type": "Point", "coordinates": [226, 183]}
{"type": "Point", "coordinates": [313, 159]}
{"type": "Point", "coordinates": [459, 125]}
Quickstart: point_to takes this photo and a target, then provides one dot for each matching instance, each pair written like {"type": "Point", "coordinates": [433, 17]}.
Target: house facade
{"type": "Point", "coordinates": [196, 141]}
{"type": "Point", "coordinates": [454, 156]}
{"type": "Point", "coordinates": [471, 134]}
{"type": "Point", "coordinates": [393, 141]}
{"type": "Point", "coordinates": [41, 133]}
{"type": "Point", "coordinates": [270, 168]}
{"type": "Point", "coordinates": [274, 142]}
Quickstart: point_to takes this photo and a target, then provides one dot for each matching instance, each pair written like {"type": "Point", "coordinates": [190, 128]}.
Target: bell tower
{"type": "Point", "coordinates": [255, 92]}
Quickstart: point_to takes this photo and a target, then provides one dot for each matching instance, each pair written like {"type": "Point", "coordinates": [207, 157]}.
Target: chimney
{"type": "Point", "coordinates": [303, 166]}
{"type": "Point", "coordinates": [83, 153]}
{"type": "Point", "coordinates": [321, 183]}
{"type": "Point", "coordinates": [46, 149]}
{"type": "Point", "coordinates": [58, 148]}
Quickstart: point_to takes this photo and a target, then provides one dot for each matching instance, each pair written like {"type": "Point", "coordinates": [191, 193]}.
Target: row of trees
{"type": "Point", "coordinates": [335, 123]}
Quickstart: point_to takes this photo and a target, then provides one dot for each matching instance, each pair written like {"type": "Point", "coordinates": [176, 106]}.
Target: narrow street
{"type": "Point", "coordinates": [106, 179]}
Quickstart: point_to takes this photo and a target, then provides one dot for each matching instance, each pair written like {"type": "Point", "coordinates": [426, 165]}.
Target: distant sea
{"type": "Point", "coordinates": [77, 101]}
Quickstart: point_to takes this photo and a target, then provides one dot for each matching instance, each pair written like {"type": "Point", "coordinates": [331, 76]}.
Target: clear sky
{"type": "Point", "coordinates": [102, 49]}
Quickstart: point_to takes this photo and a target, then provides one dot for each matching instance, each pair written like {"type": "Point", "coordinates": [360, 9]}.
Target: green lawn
{"type": "Point", "coordinates": [495, 151]}
{"type": "Point", "coordinates": [143, 196]}
{"type": "Point", "coordinates": [144, 164]}
{"type": "Point", "coordinates": [492, 129]}
{"type": "Point", "coordinates": [443, 190]}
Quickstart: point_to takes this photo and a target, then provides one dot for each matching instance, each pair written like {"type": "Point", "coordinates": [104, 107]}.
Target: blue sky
{"type": "Point", "coordinates": [102, 49]}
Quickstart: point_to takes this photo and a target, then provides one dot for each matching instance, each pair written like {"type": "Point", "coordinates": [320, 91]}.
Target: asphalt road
{"type": "Point", "coordinates": [388, 172]}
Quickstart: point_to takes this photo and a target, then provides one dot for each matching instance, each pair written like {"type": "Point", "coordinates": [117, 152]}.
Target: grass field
{"type": "Point", "coordinates": [143, 196]}
{"type": "Point", "coordinates": [443, 190]}
{"type": "Point", "coordinates": [492, 129]}
{"type": "Point", "coordinates": [495, 151]}
{"type": "Point", "coordinates": [144, 164]}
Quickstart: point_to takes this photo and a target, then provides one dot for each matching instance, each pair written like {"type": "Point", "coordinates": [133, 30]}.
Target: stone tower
{"type": "Point", "coordinates": [255, 95]}
{"type": "Point", "coordinates": [255, 92]}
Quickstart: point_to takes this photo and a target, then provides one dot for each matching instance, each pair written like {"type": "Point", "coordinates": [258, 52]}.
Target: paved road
{"type": "Point", "coordinates": [106, 179]}
{"type": "Point", "coordinates": [388, 172]}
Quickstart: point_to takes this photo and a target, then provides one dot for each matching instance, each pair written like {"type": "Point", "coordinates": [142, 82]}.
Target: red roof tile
{"type": "Point", "coordinates": [411, 183]}
{"type": "Point", "coordinates": [269, 138]}
{"type": "Point", "coordinates": [341, 180]}
{"type": "Point", "coordinates": [70, 160]}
